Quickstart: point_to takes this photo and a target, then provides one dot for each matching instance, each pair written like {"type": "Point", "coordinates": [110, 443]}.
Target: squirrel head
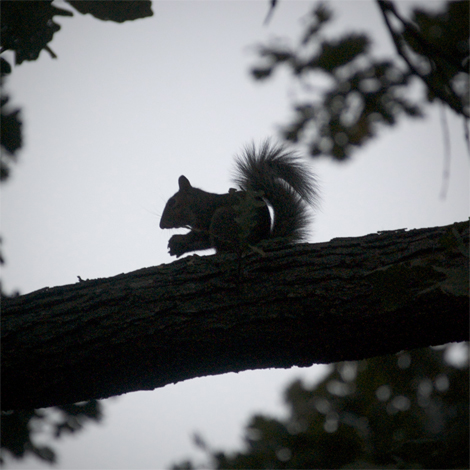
{"type": "Point", "coordinates": [177, 212]}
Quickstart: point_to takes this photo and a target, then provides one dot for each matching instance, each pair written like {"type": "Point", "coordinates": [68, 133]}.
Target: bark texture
{"type": "Point", "coordinates": [348, 299]}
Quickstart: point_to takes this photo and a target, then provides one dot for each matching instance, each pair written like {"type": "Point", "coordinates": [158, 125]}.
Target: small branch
{"type": "Point", "coordinates": [447, 155]}
{"type": "Point", "coordinates": [272, 7]}
{"type": "Point", "coordinates": [51, 52]}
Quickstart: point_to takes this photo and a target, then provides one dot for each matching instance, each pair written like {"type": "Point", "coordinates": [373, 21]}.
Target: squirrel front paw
{"type": "Point", "coordinates": [177, 245]}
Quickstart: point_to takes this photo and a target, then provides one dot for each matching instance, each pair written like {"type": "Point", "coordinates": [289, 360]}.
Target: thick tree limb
{"type": "Point", "coordinates": [351, 298]}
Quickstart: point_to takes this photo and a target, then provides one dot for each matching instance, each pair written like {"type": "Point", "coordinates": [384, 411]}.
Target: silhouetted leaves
{"type": "Point", "coordinates": [322, 15]}
{"type": "Point", "coordinates": [114, 10]}
{"type": "Point", "coordinates": [27, 27]}
{"type": "Point", "coordinates": [352, 94]}
{"type": "Point", "coordinates": [76, 414]}
{"type": "Point", "coordinates": [351, 110]}
{"type": "Point", "coordinates": [10, 137]}
{"type": "Point", "coordinates": [18, 428]}
{"type": "Point", "coordinates": [5, 67]}
{"type": "Point", "coordinates": [408, 410]}
{"type": "Point", "coordinates": [334, 54]}
{"type": "Point", "coordinates": [435, 48]}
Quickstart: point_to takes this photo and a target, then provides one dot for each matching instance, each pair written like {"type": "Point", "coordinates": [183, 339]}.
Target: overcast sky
{"type": "Point", "coordinates": [109, 127]}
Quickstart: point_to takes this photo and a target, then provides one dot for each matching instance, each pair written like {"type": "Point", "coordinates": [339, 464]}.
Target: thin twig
{"type": "Point", "coordinates": [447, 154]}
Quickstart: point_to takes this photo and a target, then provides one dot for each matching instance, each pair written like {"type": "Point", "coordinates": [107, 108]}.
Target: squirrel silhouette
{"type": "Point", "coordinates": [271, 176]}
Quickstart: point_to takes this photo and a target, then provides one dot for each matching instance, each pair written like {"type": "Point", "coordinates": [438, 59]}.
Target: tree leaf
{"type": "Point", "coordinates": [114, 10]}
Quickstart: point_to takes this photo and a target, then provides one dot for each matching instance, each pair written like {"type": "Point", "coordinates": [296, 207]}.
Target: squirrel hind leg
{"type": "Point", "coordinates": [224, 230]}
{"type": "Point", "coordinates": [228, 234]}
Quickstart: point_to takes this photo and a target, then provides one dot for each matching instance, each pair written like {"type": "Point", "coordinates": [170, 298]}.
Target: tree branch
{"type": "Point", "coordinates": [348, 299]}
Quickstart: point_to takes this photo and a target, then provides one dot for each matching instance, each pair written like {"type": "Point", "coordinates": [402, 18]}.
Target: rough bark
{"type": "Point", "coordinates": [351, 298]}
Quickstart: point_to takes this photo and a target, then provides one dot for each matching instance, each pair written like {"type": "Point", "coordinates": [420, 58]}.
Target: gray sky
{"type": "Point", "coordinates": [109, 127]}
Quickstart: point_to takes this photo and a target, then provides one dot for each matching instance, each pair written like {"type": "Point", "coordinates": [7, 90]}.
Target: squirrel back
{"type": "Point", "coordinates": [271, 176]}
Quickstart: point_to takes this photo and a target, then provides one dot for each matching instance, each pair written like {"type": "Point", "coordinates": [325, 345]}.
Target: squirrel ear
{"type": "Point", "coordinates": [184, 183]}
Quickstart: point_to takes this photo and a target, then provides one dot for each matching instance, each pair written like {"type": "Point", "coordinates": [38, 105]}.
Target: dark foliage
{"type": "Point", "coordinates": [114, 10]}
{"type": "Point", "coordinates": [26, 29]}
{"type": "Point", "coordinates": [363, 93]}
{"type": "Point", "coordinates": [18, 427]}
{"type": "Point", "coordinates": [435, 48]}
{"type": "Point", "coordinates": [408, 410]}
{"type": "Point", "coordinates": [10, 137]}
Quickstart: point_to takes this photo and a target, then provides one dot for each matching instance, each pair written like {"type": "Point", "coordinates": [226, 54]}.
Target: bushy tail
{"type": "Point", "coordinates": [286, 182]}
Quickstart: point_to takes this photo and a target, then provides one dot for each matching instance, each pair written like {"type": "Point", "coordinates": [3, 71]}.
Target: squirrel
{"type": "Point", "coordinates": [271, 176]}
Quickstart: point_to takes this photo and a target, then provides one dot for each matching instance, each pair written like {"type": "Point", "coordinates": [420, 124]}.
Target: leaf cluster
{"type": "Point", "coordinates": [435, 47]}
{"type": "Point", "coordinates": [26, 29]}
{"type": "Point", "coordinates": [351, 94]}
{"type": "Point", "coordinates": [408, 410]}
{"type": "Point", "coordinates": [11, 138]}
{"type": "Point", "coordinates": [19, 427]}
